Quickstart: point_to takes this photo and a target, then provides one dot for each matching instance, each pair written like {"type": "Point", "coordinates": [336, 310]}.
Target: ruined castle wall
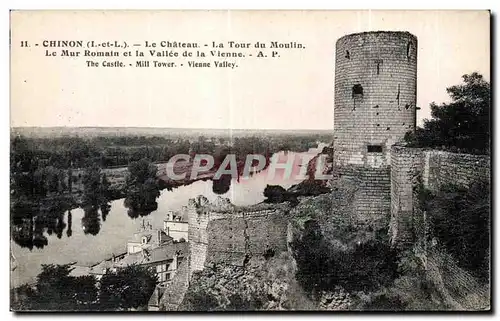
{"type": "Point", "coordinates": [227, 234]}
{"type": "Point", "coordinates": [407, 164]}
{"type": "Point", "coordinates": [198, 220]}
{"type": "Point", "coordinates": [226, 241]}
{"type": "Point", "coordinates": [375, 95]}
{"type": "Point", "coordinates": [432, 169]}
{"type": "Point", "coordinates": [232, 239]}
{"type": "Point", "coordinates": [266, 231]}
{"type": "Point", "coordinates": [443, 168]}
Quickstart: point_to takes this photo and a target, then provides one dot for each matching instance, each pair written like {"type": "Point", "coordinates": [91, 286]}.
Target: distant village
{"type": "Point", "coordinates": [160, 249]}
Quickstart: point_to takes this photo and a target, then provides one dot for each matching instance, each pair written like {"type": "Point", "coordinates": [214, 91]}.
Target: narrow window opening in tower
{"type": "Point", "coordinates": [399, 93]}
{"type": "Point", "coordinates": [347, 54]}
{"type": "Point", "coordinates": [408, 51]}
{"type": "Point", "coordinates": [378, 62]}
{"type": "Point", "coordinates": [374, 148]}
{"type": "Point", "coordinates": [357, 94]}
{"type": "Point", "coordinates": [357, 91]}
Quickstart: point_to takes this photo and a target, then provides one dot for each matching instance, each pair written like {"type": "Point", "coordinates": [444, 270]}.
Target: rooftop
{"type": "Point", "coordinates": [138, 236]}
{"type": "Point", "coordinates": [159, 254]}
{"type": "Point", "coordinates": [79, 270]}
{"type": "Point", "coordinates": [101, 267]}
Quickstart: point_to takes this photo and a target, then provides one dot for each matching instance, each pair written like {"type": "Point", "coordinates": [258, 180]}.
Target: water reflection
{"type": "Point", "coordinates": [141, 199]}
{"type": "Point", "coordinates": [69, 231]}
{"type": "Point", "coordinates": [28, 229]}
{"type": "Point", "coordinates": [32, 225]}
{"type": "Point", "coordinates": [105, 209]}
{"type": "Point", "coordinates": [135, 212]}
{"type": "Point", "coordinates": [91, 220]}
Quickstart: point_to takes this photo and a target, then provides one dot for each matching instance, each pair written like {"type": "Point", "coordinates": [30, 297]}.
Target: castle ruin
{"type": "Point", "coordinates": [374, 106]}
{"type": "Point", "coordinates": [220, 232]}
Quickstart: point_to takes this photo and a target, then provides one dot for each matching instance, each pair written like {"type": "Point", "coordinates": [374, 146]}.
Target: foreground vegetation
{"type": "Point", "coordinates": [57, 290]}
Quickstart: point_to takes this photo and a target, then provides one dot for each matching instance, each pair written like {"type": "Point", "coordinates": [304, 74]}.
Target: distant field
{"type": "Point", "coordinates": [42, 132]}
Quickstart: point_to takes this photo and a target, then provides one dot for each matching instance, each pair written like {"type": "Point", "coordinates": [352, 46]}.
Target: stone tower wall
{"type": "Point", "coordinates": [375, 95]}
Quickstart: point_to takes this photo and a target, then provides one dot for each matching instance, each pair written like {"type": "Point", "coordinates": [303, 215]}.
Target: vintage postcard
{"type": "Point", "coordinates": [240, 160]}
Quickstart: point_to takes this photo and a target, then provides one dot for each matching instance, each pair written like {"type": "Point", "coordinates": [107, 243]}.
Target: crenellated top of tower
{"type": "Point", "coordinates": [402, 34]}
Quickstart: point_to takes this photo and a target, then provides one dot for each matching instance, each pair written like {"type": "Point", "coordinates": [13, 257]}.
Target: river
{"type": "Point", "coordinates": [119, 227]}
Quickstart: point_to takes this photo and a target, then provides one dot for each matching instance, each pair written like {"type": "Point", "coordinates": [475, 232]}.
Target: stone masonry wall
{"type": "Point", "coordinates": [406, 167]}
{"type": "Point", "coordinates": [372, 194]}
{"type": "Point", "coordinates": [233, 239]}
{"type": "Point", "coordinates": [198, 218]}
{"type": "Point", "coordinates": [224, 233]}
{"type": "Point", "coordinates": [443, 168]}
{"type": "Point", "coordinates": [433, 169]}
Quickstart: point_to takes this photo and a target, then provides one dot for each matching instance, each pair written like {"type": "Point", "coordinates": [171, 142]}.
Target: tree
{"type": "Point", "coordinates": [53, 288]}
{"type": "Point", "coordinates": [48, 180]}
{"type": "Point", "coordinates": [95, 188]}
{"type": "Point", "coordinates": [274, 192]}
{"type": "Point", "coordinates": [140, 172]}
{"type": "Point", "coordinates": [322, 266]}
{"type": "Point", "coordinates": [462, 125]}
{"type": "Point", "coordinates": [142, 188]}
{"type": "Point", "coordinates": [91, 221]}
{"type": "Point", "coordinates": [127, 288]}
{"type": "Point", "coordinates": [57, 290]}
{"type": "Point", "coordinates": [85, 291]}
{"type": "Point", "coordinates": [105, 183]}
{"type": "Point", "coordinates": [21, 298]}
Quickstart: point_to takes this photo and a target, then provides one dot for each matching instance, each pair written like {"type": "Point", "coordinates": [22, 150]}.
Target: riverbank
{"type": "Point", "coordinates": [66, 233]}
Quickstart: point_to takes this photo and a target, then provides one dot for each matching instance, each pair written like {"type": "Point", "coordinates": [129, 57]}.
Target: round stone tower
{"type": "Point", "coordinates": [375, 96]}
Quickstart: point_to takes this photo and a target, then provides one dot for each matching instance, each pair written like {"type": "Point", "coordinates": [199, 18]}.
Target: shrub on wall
{"type": "Point", "coordinates": [460, 219]}
{"type": "Point", "coordinates": [322, 267]}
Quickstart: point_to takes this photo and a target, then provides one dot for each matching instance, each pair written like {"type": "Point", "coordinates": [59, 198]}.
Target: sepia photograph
{"type": "Point", "coordinates": [250, 160]}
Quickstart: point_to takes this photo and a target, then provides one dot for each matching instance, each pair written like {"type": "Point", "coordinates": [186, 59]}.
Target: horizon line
{"type": "Point", "coordinates": [155, 127]}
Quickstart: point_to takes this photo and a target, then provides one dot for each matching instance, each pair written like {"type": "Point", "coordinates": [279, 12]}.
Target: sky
{"type": "Point", "coordinates": [294, 91]}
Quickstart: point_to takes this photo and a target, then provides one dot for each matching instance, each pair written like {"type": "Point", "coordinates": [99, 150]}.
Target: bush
{"type": "Point", "coordinates": [460, 219]}
{"type": "Point", "coordinates": [321, 267]}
